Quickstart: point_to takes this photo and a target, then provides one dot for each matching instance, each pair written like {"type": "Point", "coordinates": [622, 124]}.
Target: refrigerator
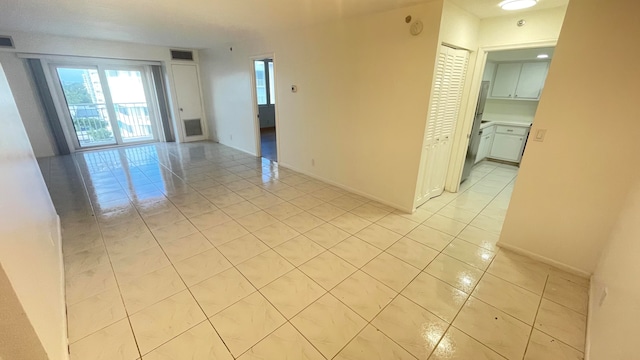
{"type": "Point", "coordinates": [476, 133]}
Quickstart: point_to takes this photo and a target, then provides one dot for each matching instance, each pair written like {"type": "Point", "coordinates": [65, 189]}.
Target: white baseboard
{"type": "Point", "coordinates": [347, 188]}
{"type": "Point", "coordinates": [237, 148]}
{"type": "Point", "coordinates": [591, 308]}
{"type": "Point", "coordinates": [545, 260]}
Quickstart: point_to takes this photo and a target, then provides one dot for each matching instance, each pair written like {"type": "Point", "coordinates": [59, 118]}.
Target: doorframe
{"type": "Point", "coordinates": [254, 99]}
{"type": "Point", "coordinates": [464, 127]}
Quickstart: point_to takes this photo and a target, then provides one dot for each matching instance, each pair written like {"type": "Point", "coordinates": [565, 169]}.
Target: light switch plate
{"type": "Point", "coordinates": [540, 135]}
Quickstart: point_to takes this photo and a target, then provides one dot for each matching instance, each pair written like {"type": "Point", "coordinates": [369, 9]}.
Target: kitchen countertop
{"type": "Point", "coordinates": [487, 123]}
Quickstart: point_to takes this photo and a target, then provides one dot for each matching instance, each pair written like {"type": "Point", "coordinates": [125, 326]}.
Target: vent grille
{"type": "Point", "coordinates": [193, 127]}
{"type": "Point", "coordinates": [181, 55]}
{"type": "Point", "coordinates": [6, 42]}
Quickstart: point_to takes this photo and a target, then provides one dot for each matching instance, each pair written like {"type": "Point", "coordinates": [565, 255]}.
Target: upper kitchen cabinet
{"type": "Point", "coordinates": [519, 81]}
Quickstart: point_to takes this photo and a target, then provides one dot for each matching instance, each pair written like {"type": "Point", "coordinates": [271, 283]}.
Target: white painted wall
{"type": "Point", "coordinates": [360, 110]}
{"type": "Point", "coordinates": [30, 249]}
{"type": "Point", "coordinates": [571, 187]}
{"type": "Point", "coordinates": [21, 83]}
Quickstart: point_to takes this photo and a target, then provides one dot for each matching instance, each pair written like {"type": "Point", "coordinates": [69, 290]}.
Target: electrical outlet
{"type": "Point", "coordinates": [603, 295]}
{"type": "Point", "coordinates": [540, 134]}
{"type": "Point", "coordinates": [313, 162]}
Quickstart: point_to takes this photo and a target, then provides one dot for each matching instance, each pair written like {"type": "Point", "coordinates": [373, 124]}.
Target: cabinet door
{"type": "Point", "coordinates": [531, 80]}
{"type": "Point", "coordinates": [484, 148]}
{"type": "Point", "coordinates": [507, 147]}
{"type": "Point", "coordinates": [504, 84]}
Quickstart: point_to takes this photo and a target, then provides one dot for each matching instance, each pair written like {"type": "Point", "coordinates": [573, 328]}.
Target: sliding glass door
{"type": "Point", "coordinates": [108, 105]}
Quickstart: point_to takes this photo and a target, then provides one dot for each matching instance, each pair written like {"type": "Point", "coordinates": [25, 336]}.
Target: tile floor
{"type": "Point", "coordinates": [268, 146]}
{"type": "Point", "coordinates": [198, 251]}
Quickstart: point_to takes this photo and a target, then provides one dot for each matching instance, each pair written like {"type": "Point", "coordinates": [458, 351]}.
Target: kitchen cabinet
{"type": "Point", "coordinates": [486, 141]}
{"type": "Point", "coordinates": [522, 81]}
{"type": "Point", "coordinates": [508, 143]}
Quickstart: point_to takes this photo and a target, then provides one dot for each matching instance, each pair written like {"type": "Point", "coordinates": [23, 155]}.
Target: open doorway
{"type": "Point", "coordinates": [266, 101]}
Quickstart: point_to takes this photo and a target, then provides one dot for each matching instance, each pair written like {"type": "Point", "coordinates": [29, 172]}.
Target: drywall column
{"type": "Point", "coordinates": [30, 249]}
{"type": "Point", "coordinates": [572, 186]}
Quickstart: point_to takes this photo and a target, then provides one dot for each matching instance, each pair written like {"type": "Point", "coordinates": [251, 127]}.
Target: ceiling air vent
{"type": "Point", "coordinates": [181, 55]}
{"type": "Point", "coordinates": [6, 42]}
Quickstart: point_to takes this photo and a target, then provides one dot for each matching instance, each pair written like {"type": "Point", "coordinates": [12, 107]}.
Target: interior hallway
{"type": "Point", "coordinates": [198, 250]}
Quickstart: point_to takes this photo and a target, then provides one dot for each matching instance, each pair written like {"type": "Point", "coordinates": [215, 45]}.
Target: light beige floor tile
{"type": "Point", "coordinates": [364, 294]}
{"type": "Point", "coordinates": [328, 324]}
{"type": "Point", "coordinates": [256, 221]}
{"type": "Point", "coordinates": [85, 260]}
{"type": "Point", "coordinates": [162, 321]}
{"type": "Point", "coordinates": [150, 288]}
{"type": "Point", "coordinates": [418, 216]}
{"type": "Point", "coordinates": [251, 192]}
{"type": "Point", "coordinates": [431, 237]}
{"type": "Point", "coordinates": [264, 268]}
{"type": "Point", "coordinates": [174, 230]}
{"type": "Point", "coordinates": [303, 222]}
{"type": "Point", "coordinates": [133, 266]}
{"type": "Point", "coordinates": [482, 238]}
{"type": "Point", "coordinates": [94, 313]}
{"type": "Point", "coordinates": [458, 214]}
{"type": "Point", "coordinates": [89, 283]}
{"type": "Point", "coordinates": [115, 342]}
{"type": "Point", "coordinates": [327, 269]}
{"type": "Point", "coordinates": [544, 347]}
{"type": "Point", "coordinates": [327, 193]}
{"type": "Point", "coordinates": [110, 233]}
{"type": "Point", "coordinates": [562, 323]}
{"type": "Point", "coordinates": [469, 254]}
{"type": "Point", "coordinates": [519, 270]}
{"type": "Point", "coordinates": [306, 202]}
{"type": "Point", "coordinates": [196, 208]}
{"type": "Point", "coordinates": [444, 224]}
{"type": "Point", "coordinates": [502, 333]}
{"type": "Point", "coordinates": [286, 343]}
{"type": "Point", "coordinates": [567, 293]}
{"type": "Point", "coordinates": [266, 201]}
{"type": "Point", "coordinates": [511, 299]}
{"type": "Point", "coordinates": [456, 345]}
{"type": "Point", "coordinates": [210, 219]}
{"type": "Point", "coordinates": [299, 250]}
{"type": "Point", "coordinates": [326, 235]}
{"type": "Point", "coordinates": [347, 202]}
{"type": "Point", "coordinates": [292, 292]}
{"type": "Point", "coordinates": [355, 251]}
{"type": "Point", "coordinates": [159, 220]}
{"type": "Point", "coordinates": [373, 344]}
{"type": "Point", "coordinates": [119, 248]}
{"type": "Point", "coordinates": [240, 209]}
{"type": "Point", "coordinates": [576, 279]}
{"type": "Point", "coordinates": [288, 193]}
{"type": "Point", "coordinates": [202, 266]}
{"type": "Point", "coordinates": [391, 271]}
{"type": "Point", "coordinates": [487, 223]}
{"type": "Point", "coordinates": [326, 211]}
{"type": "Point", "coordinates": [378, 236]}
{"type": "Point", "coordinates": [397, 223]}
{"type": "Point", "coordinates": [199, 342]}
{"type": "Point", "coordinates": [412, 327]}
{"type": "Point", "coordinates": [435, 295]}
{"type": "Point", "coordinates": [412, 252]}
{"type": "Point", "coordinates": [370, 212]}
{"type": "Point", "coordinates": [245, 323]}
{"type": "Point", "coordinates": [221, 291]}
{"type": "Point", "coordinates": [283, 211]}
{"type": "Point", "coordinates": [275, 234]}
{"type": "Point", "coordinates": [226, 200]}
{"type": "Point", "coordinates": [242, 249]}
{"type": "Point", "coordinates": [454, 272]}
{"type": "Point", "coordinates": [350, 223]}
{"type": "Point", "coordinates": [186, 247]}
{"type": "Point", "coordinates": [223, 233]}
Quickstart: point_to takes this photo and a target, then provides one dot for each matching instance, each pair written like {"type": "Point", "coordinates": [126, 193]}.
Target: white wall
{"type": "Point", "coordinates": [361, 106]}
{"type": "Point", "coordinates": [21, 83]}
{"type": "Point", "coordinates": [571, 187]}
{"type": "Point", "coordinates": [614, 324]}
{"type": "Point", "coordinates": [30, 249]}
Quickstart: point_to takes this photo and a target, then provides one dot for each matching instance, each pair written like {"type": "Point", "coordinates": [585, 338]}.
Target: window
{"type": "Point", "coordinates": [265, 79]}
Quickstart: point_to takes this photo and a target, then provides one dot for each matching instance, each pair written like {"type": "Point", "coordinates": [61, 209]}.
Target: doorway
{"type": "Point", "coordinates": [266, 101]}
{"type": "Point", "coordinates": [107, 105]}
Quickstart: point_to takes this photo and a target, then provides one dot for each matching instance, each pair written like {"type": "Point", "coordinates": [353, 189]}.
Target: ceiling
{"type": "Point", "coordinates": [519, 55]}
{"type": "Point", "coordinates": [197, 23]}
{"type": "Point", "coordinates": [489, 8]}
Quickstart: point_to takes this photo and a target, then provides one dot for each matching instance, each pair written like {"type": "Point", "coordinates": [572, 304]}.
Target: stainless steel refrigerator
{"type": "Point", "coordinates": [476, 133]}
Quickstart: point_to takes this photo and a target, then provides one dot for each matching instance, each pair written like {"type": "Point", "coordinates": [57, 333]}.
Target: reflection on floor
{"type": "Point", "coordinates": [268, 143]}
{"type": "Point", "coordinates": [180, 251]}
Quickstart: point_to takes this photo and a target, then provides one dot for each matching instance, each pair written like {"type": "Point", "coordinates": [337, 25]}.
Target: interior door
{"type": "Point", "coordinates": [265, 93]}
{"type": "Point", "coordinates": [187, 89]}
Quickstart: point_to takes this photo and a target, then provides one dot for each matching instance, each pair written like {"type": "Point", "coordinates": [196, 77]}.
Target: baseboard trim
{"type": "Point", "coordinates": [347, 188]}
{"type": "Point", "coordinates": [237, 148]}
{"type": "Point", "coordinates": [545, 260]}
{"type": "Point", "coordinates": [590, 309]}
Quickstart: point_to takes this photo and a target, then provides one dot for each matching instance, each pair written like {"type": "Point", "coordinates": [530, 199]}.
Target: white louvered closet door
{"type": "Point", "coordinates": [446, 96]}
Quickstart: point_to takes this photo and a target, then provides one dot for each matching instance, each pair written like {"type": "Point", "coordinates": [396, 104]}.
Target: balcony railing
{"type": "Point", "coordinates": [93, 128]}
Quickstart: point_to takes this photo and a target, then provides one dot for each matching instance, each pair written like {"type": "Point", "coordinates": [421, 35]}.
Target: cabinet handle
{"type": "Point", "coordinates": [509, 130]}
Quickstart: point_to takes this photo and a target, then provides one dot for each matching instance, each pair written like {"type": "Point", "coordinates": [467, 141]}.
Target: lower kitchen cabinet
{"type": "Point", "coordinates": [507, 147]}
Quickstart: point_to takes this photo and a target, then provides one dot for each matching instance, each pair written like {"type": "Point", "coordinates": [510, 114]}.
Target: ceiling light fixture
{"type": "Point", "coordinates": [543, 56]}
{"type": "Point", "coordinates": [517, 4]}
